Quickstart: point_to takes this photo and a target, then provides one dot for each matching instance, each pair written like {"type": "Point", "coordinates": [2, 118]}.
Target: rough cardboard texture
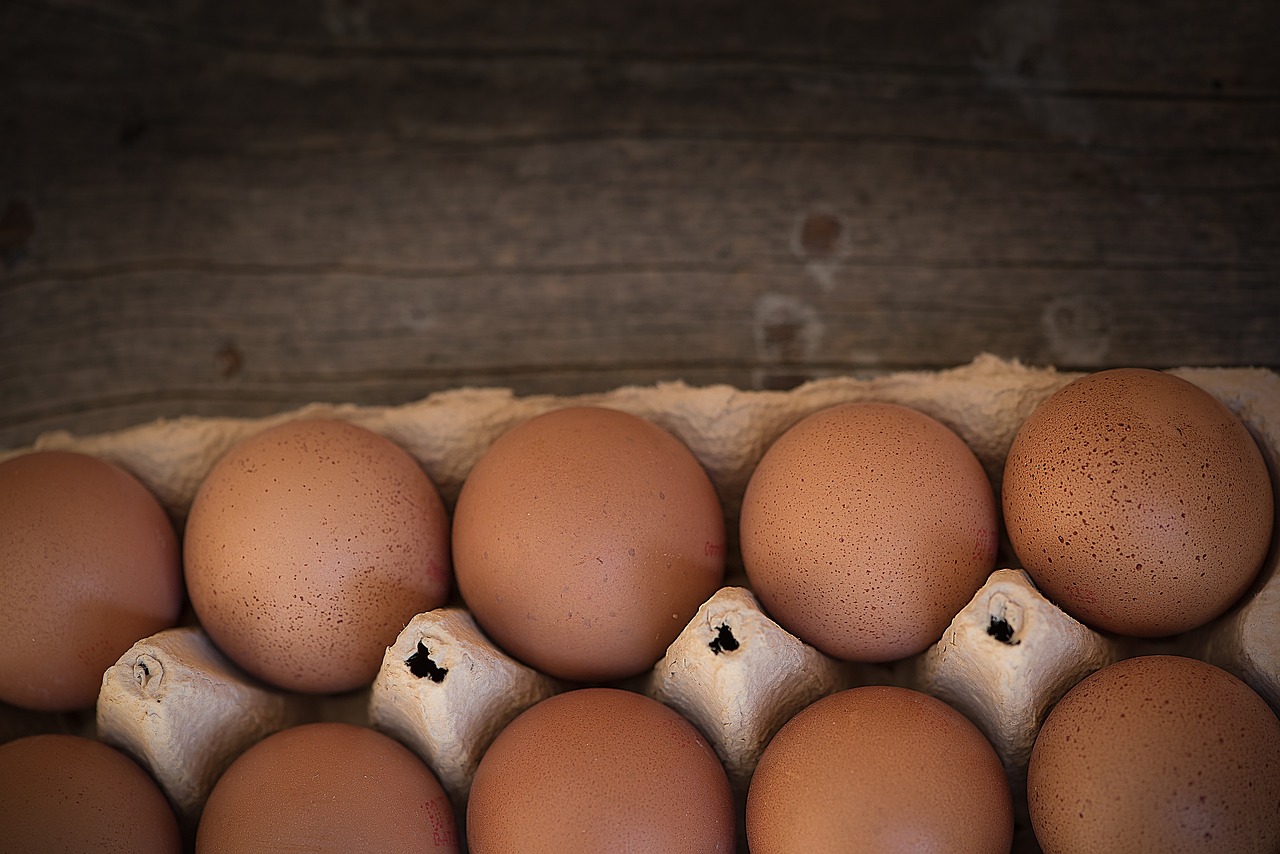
{"type": "Point", "coordinates": [739, 676]}
{"type": "Point", "coordinates": [450, 706]}
{"type": "Point", "coordinates": [1005, 680]}
{"type": "Point", "coordinates": [726, 428]}
{"type": "Point", "coordinates": [178, 706]}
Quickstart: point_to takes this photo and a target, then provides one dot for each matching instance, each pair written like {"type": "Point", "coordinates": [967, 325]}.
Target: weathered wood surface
{"type": "Point", "coordinates": [240, 207]}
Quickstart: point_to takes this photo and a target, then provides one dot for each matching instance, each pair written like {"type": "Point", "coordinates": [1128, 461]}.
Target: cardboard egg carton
{"type": "Point", "coordinates": [183, 710]}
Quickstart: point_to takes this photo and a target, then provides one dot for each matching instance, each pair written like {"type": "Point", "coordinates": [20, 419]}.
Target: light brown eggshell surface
{"type": "Point", "coordinates": [63, 794]}
{"type": "Point", "coordinates": [328, 787]}
{"type": "Point", "coordinates": [600, 769]}
{"type": "Point", "coordinates": [308, 548]}
{"type": "Point", "coordinates": [879, 768]}
{"type": "Point", "coordinates": [88, 565]}
{"type": "Point", "coordinates": [1138, 502]}
{"type": "Point", "coordinates": [584, 541]}
{"type": "Point", "coordinates": [866, 527]}
{"type": "Point", "coordinates": [1157, 753]}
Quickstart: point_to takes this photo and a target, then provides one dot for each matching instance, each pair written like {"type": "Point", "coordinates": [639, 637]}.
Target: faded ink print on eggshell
{"type": "Point", "coordinates": [1138, 502]}
{"type": "Point", "coordinates": [328, 787]}
{"type": "Point", "coordinates": [89, 565]}
{"type": "Point", "coordinates": [595, 770]}
{"type": "Point", "coordinates": [866, 527]}
{"type": "Point", "coordinates": [63, 794]}
{"type": "Point", "coordinates": [585, 539]}
{"type": "Point", "coordinates": [1157, 753]}
{"type": "Point", "coordinates": [879, 768]}
{"type": "Point", "coordinates": [309, 547]}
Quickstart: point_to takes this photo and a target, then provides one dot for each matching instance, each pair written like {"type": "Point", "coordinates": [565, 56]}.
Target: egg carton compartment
{"type": "Point", "coordinates": [185, 712]}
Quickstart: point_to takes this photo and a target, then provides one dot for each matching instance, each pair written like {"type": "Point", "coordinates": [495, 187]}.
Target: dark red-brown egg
{"type": "Point", "coordinates": [63, 794]}
{"type": "Point", "coordinates": [866, 527]}
{"type": "Point", "coordinates": [327, 787]}
{"type": "Point", "coordinates": [879, 769]}
{"type": "Point", "coordinates": [584, 541]}
{"type": "Point", "coordinates": [595, 770]}
{"type": "Point", "coordinates": [88, 566]}
{"type": "Point", "coordinates": [1138, 502]}
{"type": "Point", "coordinates": [1157, 753]}
{"type": "Point", "coordinates": [309, 546]}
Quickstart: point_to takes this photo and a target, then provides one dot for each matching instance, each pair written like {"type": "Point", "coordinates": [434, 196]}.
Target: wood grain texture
{"type": "Point", "coordinates": [236, 208]}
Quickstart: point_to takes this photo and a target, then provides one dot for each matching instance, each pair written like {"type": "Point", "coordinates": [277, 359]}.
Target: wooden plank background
{"type": "Point", "coordinates": [239, 207]}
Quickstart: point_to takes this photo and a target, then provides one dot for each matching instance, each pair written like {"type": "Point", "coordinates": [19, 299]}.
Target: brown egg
{"type": "Point", "coordinates": [63, 793]}
{"type": "Point", "coordinates": [1157, 753]}
{"type": "Point", "coordinates": [595, 770]}
{"type": "Point", "coordinates": [865, 528]}
{"type": "Point", "coordinates": [88, 566]}
{"type": "Point", "coordinates": [309, 547]}
{"type": "Point", "coordinates": [584, 541]}
{"type": "Point", "coordinates": [879, 769]}
{"type": "Point", "coordinates": [1138, 502]}
{"type": "Point", "coordinates": [327, 787]}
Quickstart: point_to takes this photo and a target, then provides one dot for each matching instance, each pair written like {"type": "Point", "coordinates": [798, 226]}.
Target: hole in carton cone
{"type": "Point", "coordinates": [724, 640]}
{"type": "Point", "coordinates": [421, 665]}
{"type": "Point", "coordinates": [1005, 619]}
{"type": "Point", "coordinates": [1002, 631]}
{"type": "Point", "coordinates": [148, 673]}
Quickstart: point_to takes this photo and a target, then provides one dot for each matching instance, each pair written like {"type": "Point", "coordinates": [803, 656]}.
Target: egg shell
{"type": "Point", "coordinates": [599, 769]}
{"type": "Point", "coordinates": [1138, 502]}
{"type": "Point", "coordinates": [585, 539]}
{"type": "Point", "coordinates": [327, 787]}
{"type": "Point", "coordinates": [1157, 753]}
{"type": "Point", "coordinates": [308, 548]}
{"type": "Point", "coordinates": [879, 768]}
{"type": "Point", "coordinates": [88, 565]}
{"type": "Point", "coordinates": [866, 527]}
{"type": "Point", "coordinates": [63, 794]}
{"type": "Point", "coordinates": [728, 429]}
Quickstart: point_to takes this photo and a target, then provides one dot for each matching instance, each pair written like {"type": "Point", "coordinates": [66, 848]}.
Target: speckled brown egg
{"type": "Point", "coordinates": [1157, 753]}
{"type": "Point", "coordinates": [599, 769]}
{"type": "Point", "coordinates": [1138, 502]}
{"type": "Point", "coordinates": [88, 566]}
{"type": "Point", "coordinates": [63, 794]}
{"type": "Point", "coordinates": [327, 787]}
{"type": "Point", "coordinates": [585, 539]}
{"type": "Point", "coordinates": [879, 769]}
{"type": "Point", "coordinates": [309, 547]}
{"type": "Point", "coordinates": [865, 528]}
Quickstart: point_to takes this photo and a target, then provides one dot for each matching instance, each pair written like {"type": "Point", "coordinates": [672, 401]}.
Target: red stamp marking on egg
{"type": "Point", "coordinates": [984, 544]}
{"type": "Point", "coordinates": [713, 549]}
{"type": "Point", "coordinates": [441, 817]}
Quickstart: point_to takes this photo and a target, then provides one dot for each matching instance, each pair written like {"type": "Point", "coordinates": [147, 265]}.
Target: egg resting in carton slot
{"type": "Point", "coordinates": [1003, 674]}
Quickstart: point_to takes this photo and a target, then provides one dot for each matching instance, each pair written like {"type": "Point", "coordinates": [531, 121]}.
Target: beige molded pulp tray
{"type": "Point", "coordinates": [177, 705]}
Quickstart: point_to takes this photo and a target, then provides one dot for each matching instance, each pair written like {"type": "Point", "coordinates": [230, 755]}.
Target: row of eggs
{"type": "Point", "coordinates": [585, 538]}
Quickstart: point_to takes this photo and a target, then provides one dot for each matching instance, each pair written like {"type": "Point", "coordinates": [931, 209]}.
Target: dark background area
{"type": "Point", "coordinates": [240, 207]}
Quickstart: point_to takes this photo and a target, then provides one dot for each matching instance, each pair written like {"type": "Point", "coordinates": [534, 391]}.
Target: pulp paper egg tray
{"type": "Point", "coordinates": [177, 705]}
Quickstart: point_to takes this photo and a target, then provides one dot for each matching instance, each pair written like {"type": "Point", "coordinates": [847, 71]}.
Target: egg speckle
{"type": "Point", "coordinates": [1138, 502]}
{"type": "Point", "coordinates": [865, 528]}
{"type": "Point", "coordinates": [309, 547]}
{"type": "Point", "coordinates": [1157, 753]}
{"type": "Point", "coordinates": [879, 768]}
